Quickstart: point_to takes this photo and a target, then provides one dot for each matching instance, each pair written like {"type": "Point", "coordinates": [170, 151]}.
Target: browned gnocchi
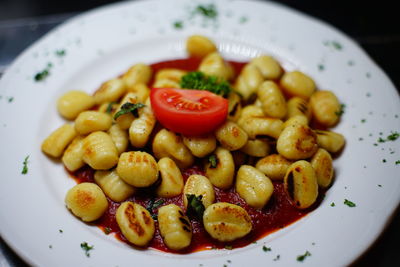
{"type": "Point", "coordinates": [156, 186]}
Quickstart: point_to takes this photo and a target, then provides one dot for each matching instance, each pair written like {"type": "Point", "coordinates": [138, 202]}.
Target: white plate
{"type": "Point", "coordinates": [103, 43]}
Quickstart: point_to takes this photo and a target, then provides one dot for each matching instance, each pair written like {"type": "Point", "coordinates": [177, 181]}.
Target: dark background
{"type": "Point", "coordinates": [373, 24]}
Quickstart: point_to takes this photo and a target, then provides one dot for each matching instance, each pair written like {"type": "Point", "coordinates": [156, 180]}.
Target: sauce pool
{"type": "Point", "coordinates": [277, 214]}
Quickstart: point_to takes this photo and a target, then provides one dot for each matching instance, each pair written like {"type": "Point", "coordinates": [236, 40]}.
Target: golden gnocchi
{"type": "Point", "coordinates": [86, 201]}
{"type": "Point", "coordinates": [136, 223]}
{"type": "Point", "coordinates": [209, 179]}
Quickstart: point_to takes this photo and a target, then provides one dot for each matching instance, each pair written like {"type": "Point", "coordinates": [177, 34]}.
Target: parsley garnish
{"type": "Point", "coordinates": [154, 205]}
{"type": "Point", "coordinates": [60, 52]}
{"type": "Point", "coordinates": [195, 206]}
{"type": "Point", "coordinates": [10, 99]}
{"type": "Point", "coordinates": [25, 165]}
{"type": "Point", "coordinates": [109, 108]}
{"type": "Point", "coordinates": [392, 137]}
{"type": "Point", "coordinates": [363, 120]}
{"type": "Point", "coordinates": [86, 248]}
{"type": "Point", "coordinates": [228, 247]}
{"type": "Point", "coordinates": [209, 11]}
{"type": "Point", "coordinates": [321, 67]}
{"type": "Point", "coordinates": [397, 162]}
{"type": "Point", "coordinates": [384, 160]}
{"type": "Point", "coordinates": [333, 204]}
{"type": "Point", "coordinates": [40, 76]}
{"type": "Point", "coordinates": [213, 161]}
{"type": "Point", "coordinates": [198, 80]}
{"type": "Point", "coordinates": [60, 230]}
{"type": "Point", "coordinates": [341, 110]}
{"type": "Point", "coordinates": [266, 249]}
{"type": "Point", "coordinates": [302, 257]}
{"type": "Point", "coordinates": [129, 108]}
{"type": "Point", "coordinates": [349, 203]}
{"type": "Point", "coordinates": [336, 45]}
{"type": "Point", "coordinates": [243, 19]}
{"type": "Point", "coordinates": [107, 230]}
{"type": "Point", "coordinates": [178, 24]}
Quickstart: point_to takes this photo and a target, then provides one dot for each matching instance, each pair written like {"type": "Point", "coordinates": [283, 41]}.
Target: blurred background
{"type": "Point", "coordinates": [372, 24]}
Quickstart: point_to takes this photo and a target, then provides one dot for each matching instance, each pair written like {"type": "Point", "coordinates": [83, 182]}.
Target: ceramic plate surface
{"type": "Point", "coordinates": [96, 46]}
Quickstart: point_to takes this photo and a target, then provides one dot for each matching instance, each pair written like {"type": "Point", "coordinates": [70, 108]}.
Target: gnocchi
{"type": "Point", "coordinates": [175, 227]}
{"type": "Point", "coordinates": [86, 201]}
{"type": "Point", "coordinates": [136, 223]}
{"type": "Point", "coordinates": [204, 183]}
{"type": "Point", "coordinates": [226, 221]}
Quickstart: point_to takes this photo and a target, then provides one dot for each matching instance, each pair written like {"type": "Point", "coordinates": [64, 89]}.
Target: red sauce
{"type": "Point", "coordinates": [277, 214]}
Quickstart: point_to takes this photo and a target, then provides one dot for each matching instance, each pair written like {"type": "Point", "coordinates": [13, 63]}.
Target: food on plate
{"type": "Point", "coordinates": [198, 153]}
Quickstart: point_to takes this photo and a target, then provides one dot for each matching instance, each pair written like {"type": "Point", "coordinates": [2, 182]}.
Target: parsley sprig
{"type": "Point", "coordinates": [213, 160]}
{"type": "Point", "coordinates": [198, 80]}
{"type": "Point", "coordinates": [304, 256]}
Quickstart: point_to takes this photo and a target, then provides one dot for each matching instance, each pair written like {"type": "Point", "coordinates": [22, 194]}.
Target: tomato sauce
{"type": "Point", "coordinates": [277, 214]}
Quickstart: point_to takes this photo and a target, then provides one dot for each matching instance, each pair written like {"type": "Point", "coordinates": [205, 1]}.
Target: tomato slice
{"type": "Point", "coordinates": [189, 112]}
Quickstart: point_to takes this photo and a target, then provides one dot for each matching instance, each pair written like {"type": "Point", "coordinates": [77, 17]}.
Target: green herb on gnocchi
{"type": "Point", "coordinates": [213, 160]}
{"type": "Point", "coordinates": [129, 108]}
{"type": "Point", "coordinates": [341, 110]}
{"type": "Point", "coordinates": [153, 205]}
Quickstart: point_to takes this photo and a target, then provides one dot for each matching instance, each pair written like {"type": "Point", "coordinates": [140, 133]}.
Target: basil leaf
{"type": "Point", "coordinates": [195, 206]}
{"type": "Point", "coordinates": [129, 108]}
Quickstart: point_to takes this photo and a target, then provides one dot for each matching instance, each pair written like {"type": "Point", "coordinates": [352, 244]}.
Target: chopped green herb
{"type": "Point", "coordinates": [334, 44]}
{"type": "Point", "coordinates": [228, 247]}
{"type": "Point", "coordinates": [321, 67]}
{"type": "Point", "coordinates": [107, 230]}
{"type": "Point", "coordinates": [304, 256]}
{"type": "Point", "coordinates": [213, 161]}
{"type": "Point", "coordinates": [61, 231]}
{"type": "Point", "coordinates": [129, 108]}
{"type": "Point", "coordinates": [154, 205]}
{"type": "Point", "coordinates": [60, 52]}
{"type": "Point", "coordinates": [224, 265]}
{"type": "Point", "coordinates": [363, 120]}
{"type": "Point", "coordinates": [40, 76]}
{"type": "Point", "coordinates": [110, 107]}
{"type": "Point", "coordinates": [178, 24]}
{"type": "Point", "coordinates": [379, 185]}
{"type": "Point", "coordinates": [25, 165]}
{"type": "Point", "coordinates": [50, 246]}
{"type": "Point", "coordinates": [208, 11]}
{"type": "Point", "coordinates": [349, 203]}
{"type": "Point", "coordinates": [341, 110]}
{"type": "Point", "coordinates": [195, 206]}
{"type": "Point", "coordinates": [360, 139]}
{"type": "Point", "coordinates": [243, 19]}
{"type": "Point", "coordinates": [277, 257]}
{"type": "Point", "coordinates": [393, 136]}
{"type": "Point", "coordinates": [198, 80]}
{"type": "Point", "coordinates": [86, 248]}
{"type": "Point", "coordinates": [397, 162]}
{"type": "Point", "coordinates": [266, 249]}
{"type": "Point", "coordinates": [384, 160]}
{"type": "Point", "coordinates": [333, 204]}
{"type": "Point", "coordinates": [10, 99]}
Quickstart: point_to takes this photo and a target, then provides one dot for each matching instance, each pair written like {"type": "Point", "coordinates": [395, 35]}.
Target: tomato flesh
{"type": "Point", "coordinates": [188, 112]}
